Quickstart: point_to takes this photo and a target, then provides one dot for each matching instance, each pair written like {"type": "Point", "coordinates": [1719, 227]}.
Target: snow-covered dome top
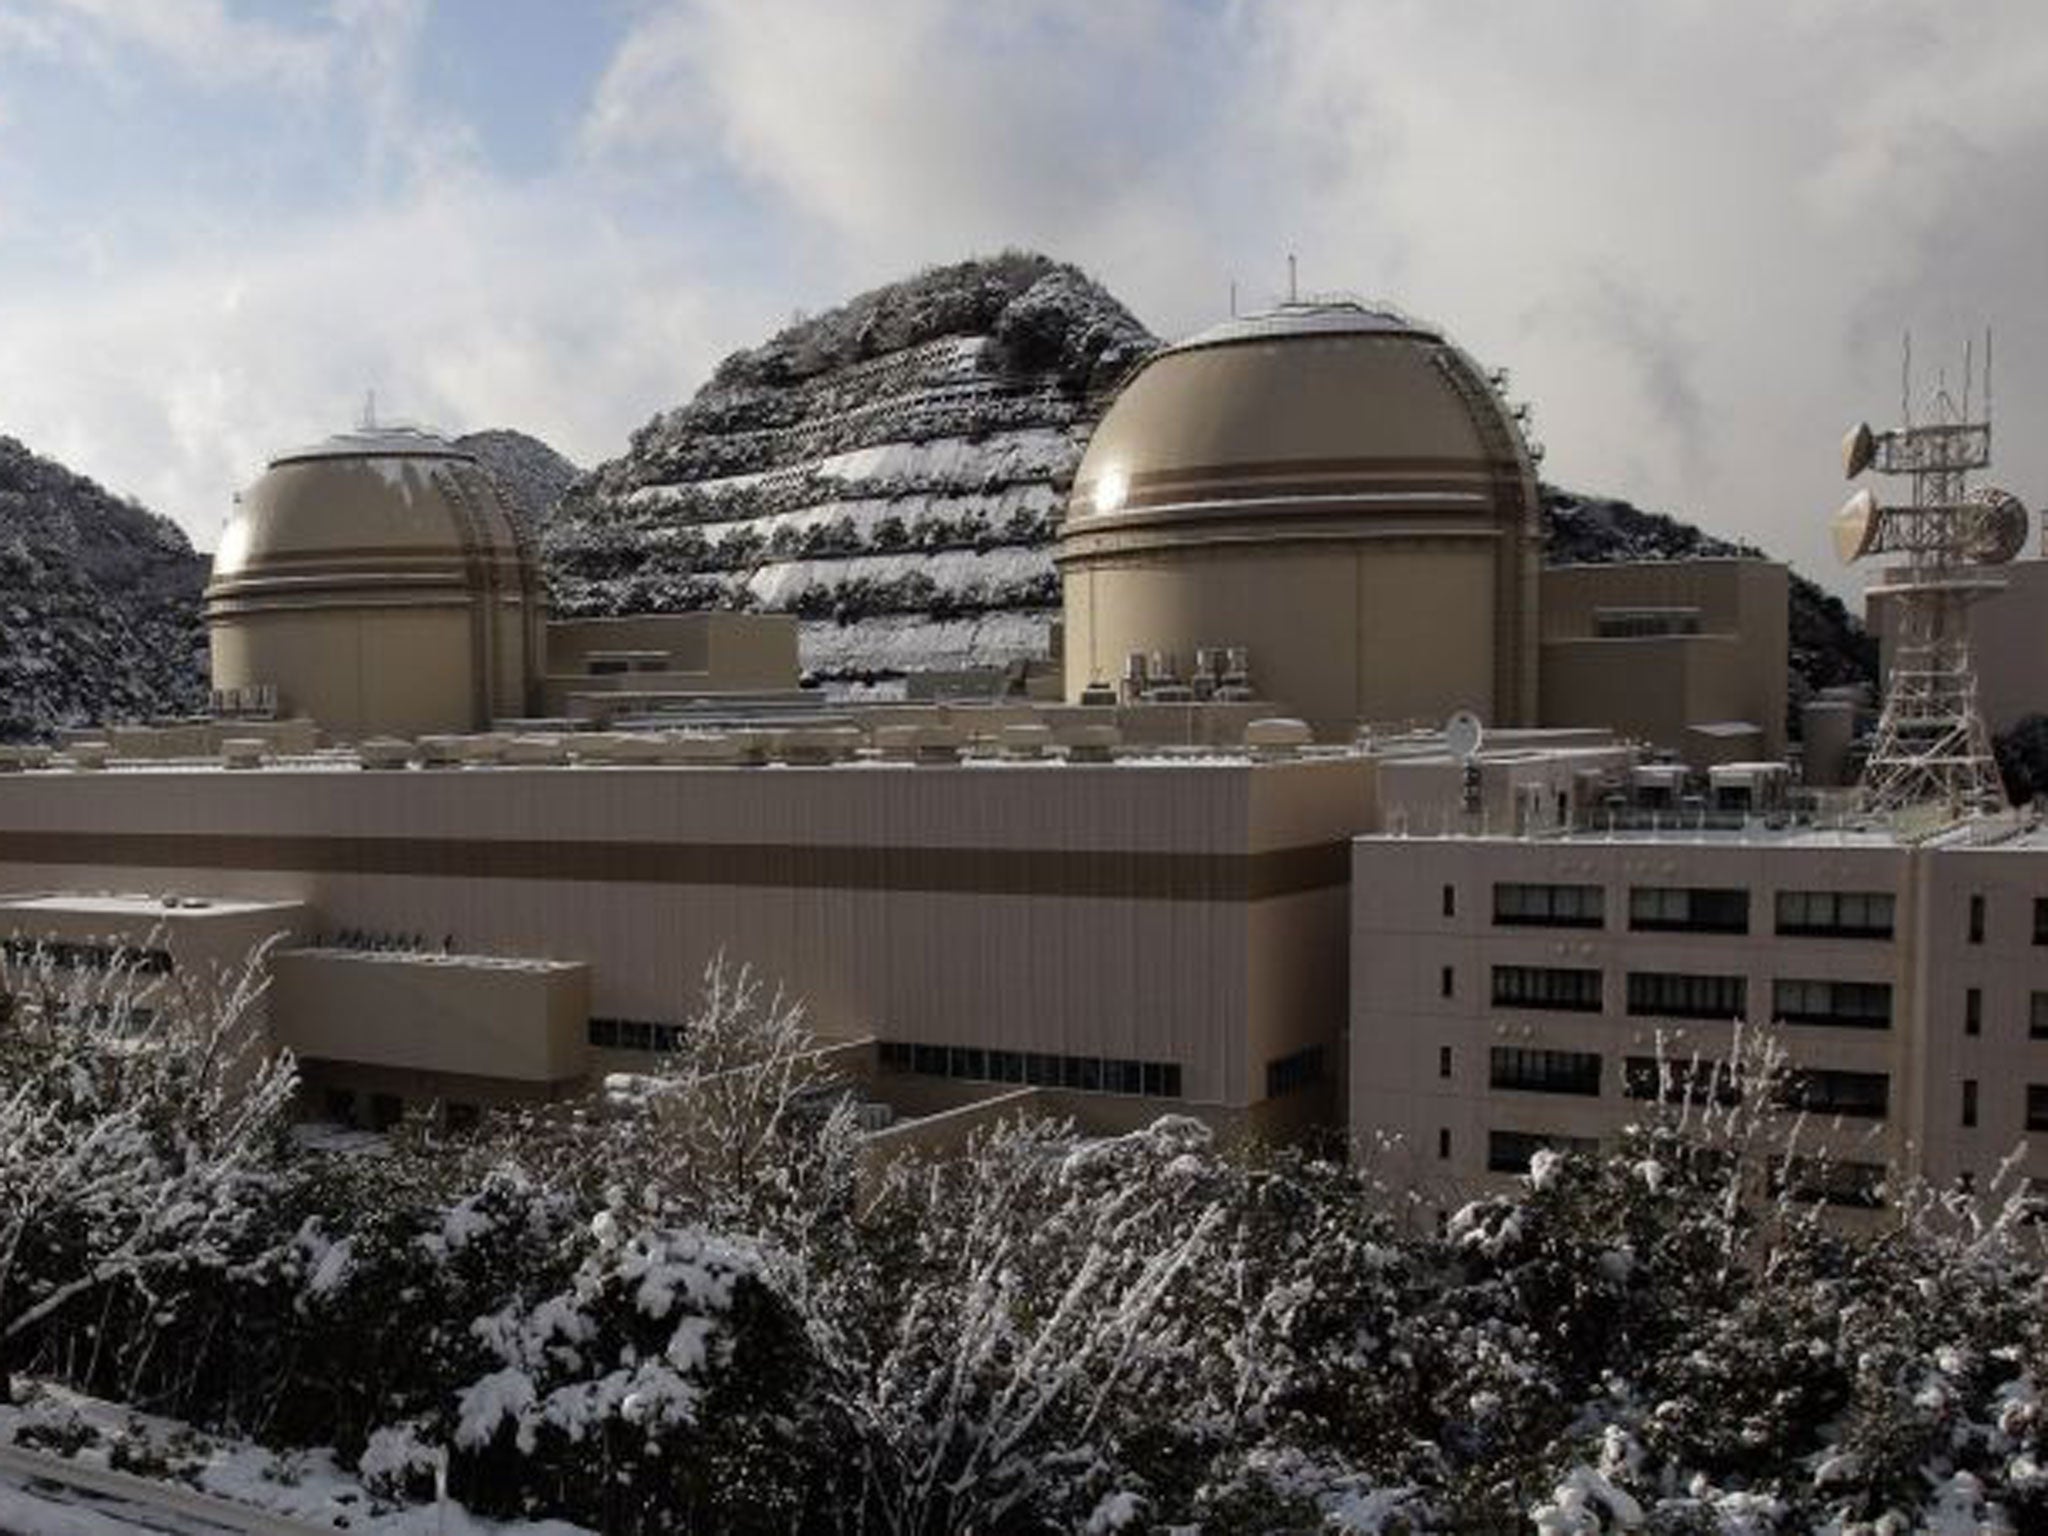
{"type": "Point", "coordinates": [377, 582]}
{"type": "Point", "coordinates": [1307, 317]}
{"type": "Point", "coordinates": [382, 441]}
{"type": "Point", "coordinates": [363, 497]}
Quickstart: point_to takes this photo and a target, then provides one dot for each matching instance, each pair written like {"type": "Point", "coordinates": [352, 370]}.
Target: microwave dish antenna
{"type": "Point", "coordinates": [1946, 541]}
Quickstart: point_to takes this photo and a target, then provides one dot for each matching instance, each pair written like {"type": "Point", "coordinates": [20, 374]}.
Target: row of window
{"type": "Point", "coordinates": [66, 956]}
{"type": "Point", "coordinates": [1715, 909]}
{"type": "Point", "coordinates": [1083, 1074]}
{"type": "Point", "coordinates": [635, 1035]}
{"type": "Point", "coordinates": [1828, 1180]}
{"type": "Point", "coordinates": [1859, 1095]}
{"type": "Point", "coordinates": [1694, 909]}
{"type": "Point", "coordinates": [1572, 989]}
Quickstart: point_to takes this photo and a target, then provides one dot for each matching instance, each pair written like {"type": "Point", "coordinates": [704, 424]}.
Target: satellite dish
{"type": "Point", "coordinates": [1859, 448]}
{"type": "Point", "coordinates": [1855, 526]}
{"type": "Point", "coordinates": [1463, 733]}
{"type": "Point", "coordinates": [1996, 527]}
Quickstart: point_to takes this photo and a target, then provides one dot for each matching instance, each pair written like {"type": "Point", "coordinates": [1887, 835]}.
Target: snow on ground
{"type": "Point", "coordinates": [1022, 454]}
{"type": "Point", "coordinates": [309, 1486]}
{"type": "Point", "coordinates": [905, 642]}
{"type": "Point", "coordinates": [777, 586]}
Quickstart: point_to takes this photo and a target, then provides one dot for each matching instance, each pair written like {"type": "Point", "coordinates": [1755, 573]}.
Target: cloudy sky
{"type": "Point", "coordinates": [1693, 230]}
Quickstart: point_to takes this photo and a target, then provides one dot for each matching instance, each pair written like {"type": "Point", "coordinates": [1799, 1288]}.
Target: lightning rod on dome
{"type": "Point", "coordinates": [369, 421]}
{"type": "Point", "coordinates": [1293, 296]}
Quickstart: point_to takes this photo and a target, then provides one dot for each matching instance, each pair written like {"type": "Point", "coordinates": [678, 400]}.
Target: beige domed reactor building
{"type": "Point", "coordinates": [375, 582]}
{"type": "Point", "coordinates": [1329, 504]}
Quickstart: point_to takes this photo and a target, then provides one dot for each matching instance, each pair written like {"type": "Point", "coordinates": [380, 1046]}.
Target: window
{"type": "Point", "coordinates": [1843, 1004]}
{"type": "Point", "coordinates": [1548, 906]}
{"type": "Point", "coordinates": [1829, 1182]}
{"type": "Point", "coordinates": [1083, 1074]}
{"type": "Point", "coordinates": [341, 1106]}
{"type": "Point", "coordinates": [1969, 1102]}
{"type": "Point", "coordinates": [2037, 1106]}
{"type": "Point", "coordinates": [2037, 1016]}
{"type": "Point", "coordinates": [1973, 1011]}
{"type": "Point", "coordinates": [1854, 1095]}
{"type": "Point", "coordinates": [1688, 909]}
{"type": "Point", "coordinates": [1688, 1080]}
{"type": "Point", "coordinates": [386, 1109]}
{"type": "Point", "coordinates": [1450, 901]}
{"type": "Point", "coordinates": [2041, 920]}
{"type": "Point", "coordinates": [1292, 1073]}
{"type": "Point", "coordinates": [1542, 986]}
{"type": "Point", "coordinates": [1670, 995]}
{"type": "Point", "coordinates": [1443, 1142]}
{"type": "Point", "coordinates": [1976, 919]}
{"type": "Point", "coordinates": [1532, 1070]}
{"type": "Point", "coordinates": [1447, 983]}
{"type": "Point", "coordinates": [634, 1035]}
{"type": "Point", "coordinates": [1443, 1061]}
{"type": "Point", "coordinates": [1510, 1151]}
{"type": "Point", "coordinates": [1836, 914]}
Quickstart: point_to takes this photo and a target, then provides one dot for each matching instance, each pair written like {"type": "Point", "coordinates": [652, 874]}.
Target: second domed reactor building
{"type": "Point", "coordinates": [1334, 493]}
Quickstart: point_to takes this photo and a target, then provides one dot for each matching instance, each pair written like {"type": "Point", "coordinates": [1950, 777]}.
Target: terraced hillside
{"type": "Point", "coordinates": [891, 472]}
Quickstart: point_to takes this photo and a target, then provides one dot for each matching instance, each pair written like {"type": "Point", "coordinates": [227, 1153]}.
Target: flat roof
{"type": "Point", "coordinates": [140, 904]}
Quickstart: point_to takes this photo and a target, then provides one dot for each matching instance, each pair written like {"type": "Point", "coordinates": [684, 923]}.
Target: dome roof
{"type": "Point", "coordinates": [1317, 317]}
{"type": "Point", "coordinates": [372, 501]}
{"type": "Point", "coordinates": [1327, 400]}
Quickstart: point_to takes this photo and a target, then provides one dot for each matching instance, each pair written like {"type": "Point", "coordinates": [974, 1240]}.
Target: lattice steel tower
{"type": "Point", "coordinates": [1931, 746]}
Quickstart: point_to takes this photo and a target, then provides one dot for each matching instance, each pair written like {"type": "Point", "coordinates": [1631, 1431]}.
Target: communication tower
{"type": "Point", "coordinates": [1931, 746]}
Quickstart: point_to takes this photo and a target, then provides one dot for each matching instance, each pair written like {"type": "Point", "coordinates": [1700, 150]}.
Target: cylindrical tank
{"type": "Point", "coordinates": [1827, 727]}
{"type": "Point", "coordinates": [1336, 491]}
{"type": "Point", "coordinates": [377, 584]}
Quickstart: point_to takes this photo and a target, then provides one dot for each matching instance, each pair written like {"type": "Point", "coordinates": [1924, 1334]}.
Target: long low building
{"type": "Point", "coordinates": [1156, 930]}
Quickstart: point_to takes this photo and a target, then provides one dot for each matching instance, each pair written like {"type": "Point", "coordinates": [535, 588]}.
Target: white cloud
{"type": "Point", "coordinates": [1694, 230]}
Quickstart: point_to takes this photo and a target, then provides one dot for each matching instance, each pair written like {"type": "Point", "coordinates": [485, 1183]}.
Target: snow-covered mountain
{"type": "Point", "coordinates": [529, 474]}
{"type": "Point", "coordinates": [891, 472]}
{"type": "Point", "coordinates": [99, 603]}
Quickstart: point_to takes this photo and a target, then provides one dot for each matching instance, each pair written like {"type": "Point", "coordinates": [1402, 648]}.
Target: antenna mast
{"type": "Point", "coordinates": [1931, 745]}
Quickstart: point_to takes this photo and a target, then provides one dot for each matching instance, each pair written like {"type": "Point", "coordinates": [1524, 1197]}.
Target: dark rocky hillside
{"type": "Point", "coordinates": [1828, 643]}
{"type": "Point", "coordinates": [891, 472]}
{"type": "Point", "coordinates": [529, 474]}
{"type": "Point", "coordinates": [99, 603]}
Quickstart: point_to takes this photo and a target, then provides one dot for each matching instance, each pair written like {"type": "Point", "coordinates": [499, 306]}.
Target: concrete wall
{"type": "Point", "coordinates": [461, 1015]}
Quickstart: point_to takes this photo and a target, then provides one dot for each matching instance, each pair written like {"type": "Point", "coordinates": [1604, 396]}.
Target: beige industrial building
{"type": "Point", "coordinates": [1241, 870]}
{"type": "Point", "coordinates": [1688, 655]}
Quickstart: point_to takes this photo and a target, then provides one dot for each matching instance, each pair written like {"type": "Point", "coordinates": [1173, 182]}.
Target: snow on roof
{"type": "Point", "coordinates": [394, 441]}
{"type": "Point", "coordinates": [1314, 317]}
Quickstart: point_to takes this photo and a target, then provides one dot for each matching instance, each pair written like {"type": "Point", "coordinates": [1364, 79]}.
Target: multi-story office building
{"type": "Point", "coordinates": [1509, 993]}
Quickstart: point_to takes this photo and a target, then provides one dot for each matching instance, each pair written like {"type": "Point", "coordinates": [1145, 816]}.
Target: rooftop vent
{"type": "Point", "coordinates": [242, 752]}
{"type": "Point", "coordinates": [441, 752]}
{"type": "Point", "coordinates": [384, 752]}
{"type": "Point", "coordinates": [89, 755]}
{"type": "Point", "coordinates": [1093, 743]}
{"type": "Point", "coordinates": [1277, 737]}
{"type": "Point", "coordinates": [1026, 739]}
{"type": "Point", "coordinates": [536, 752]}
